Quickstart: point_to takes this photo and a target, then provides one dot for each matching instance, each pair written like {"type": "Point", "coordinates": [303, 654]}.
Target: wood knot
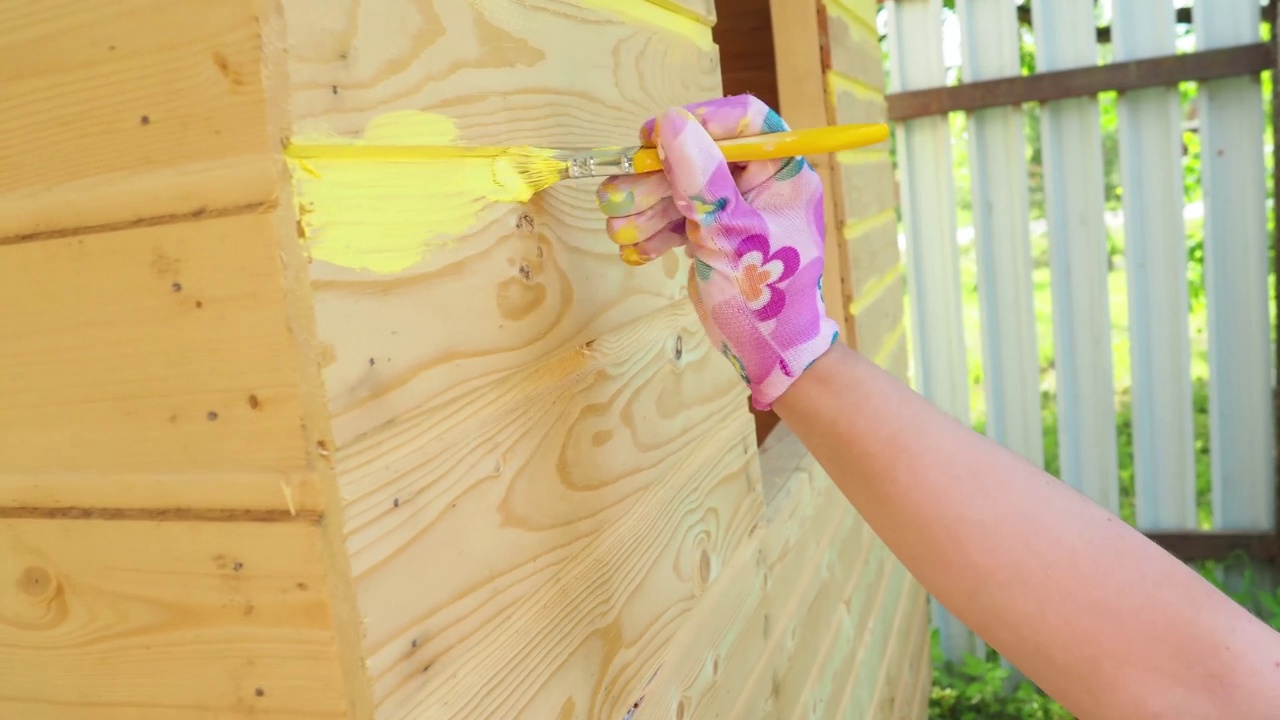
{"type": "Point", "coordinates": [36, 582]}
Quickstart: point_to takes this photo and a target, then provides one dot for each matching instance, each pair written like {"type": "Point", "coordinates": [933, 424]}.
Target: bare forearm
{"type": "Point", "coordinates": [1099, 616]}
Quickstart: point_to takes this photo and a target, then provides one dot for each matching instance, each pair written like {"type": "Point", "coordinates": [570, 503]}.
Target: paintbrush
{"type": "Point", "coordinates": [537, 169]}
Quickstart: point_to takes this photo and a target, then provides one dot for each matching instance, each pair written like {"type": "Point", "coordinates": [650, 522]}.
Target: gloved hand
{"type": "Point", "coordinates": [754, 231]}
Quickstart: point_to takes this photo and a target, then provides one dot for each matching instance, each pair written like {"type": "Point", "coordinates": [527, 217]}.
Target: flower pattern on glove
{"type": "Point", "coordinates": [755, 232]}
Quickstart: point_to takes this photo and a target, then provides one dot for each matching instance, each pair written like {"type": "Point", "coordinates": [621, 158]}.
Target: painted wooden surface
{"type": "Point", "coordinates": [929, 222]}
{"type": "Point", "coordinates": [1071, 145]}
{"type": "Point", "coordinates": [1241, 423]}
{"type": "Point", "coordinates": [998, 172]}
{"type": "Point", "coordinates": [1156, 272]}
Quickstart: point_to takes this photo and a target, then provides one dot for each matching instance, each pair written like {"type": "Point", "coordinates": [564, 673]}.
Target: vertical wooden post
{"type": "Point", "coordinates": [1072, 149]}
{"type": "Point", "coordinates": [997, 153]}
{"type": "Point", "coordinates": [928, 212]}
{"type": "Point", "coordinates": [1156, 266]}
{"type": "Point", "coordinates": [1235, 256]}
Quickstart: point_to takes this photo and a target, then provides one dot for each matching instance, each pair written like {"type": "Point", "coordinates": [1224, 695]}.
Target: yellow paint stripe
{"type": "Point", "coordinates": [875, 289]}
{"type": "Point", "coordinates": [889, 346]}
{"type": "Point", "coordinates": [846, 10]}
{"type": "Point", "coordinates": [854, 228]}
{"type": "Point", "coordinates": [863, 156]}
{"type": "Point", "coordinates": [651, 14]}
{"type": "Point", "coordinates": [678, 8]}
{"type": "Point", "coordinates": [837, 81]}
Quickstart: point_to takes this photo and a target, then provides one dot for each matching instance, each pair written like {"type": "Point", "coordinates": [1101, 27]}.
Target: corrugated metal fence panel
{"type": "Point", "coordinates": [929, 219]}
{"type": "Point", "coordinates": [1235, 236]}
{"type": "Point", "coordinates": [1071, 145]}
{"type": "Point", "coordinates": [997, 154]}
{"type": "Point", "coordinates": [1156, 268]}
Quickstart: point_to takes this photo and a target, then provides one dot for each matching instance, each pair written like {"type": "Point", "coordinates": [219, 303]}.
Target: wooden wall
{"type": "Point", "coordinates": [162, 551]}
{"type": "Point", "coordinates": [509, 480]}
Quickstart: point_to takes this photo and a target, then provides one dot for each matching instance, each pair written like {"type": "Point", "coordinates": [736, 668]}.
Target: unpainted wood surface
{"type": "Point", "coordinates": [814, 619]}
{"type": "Point", "coordinates": [119, 111]}
{"type": "Point", "coordinates": [156, 349]}
{"type": "Point", "coordinates": [145, 620]}
{"type": "Point", "coordinates": [854, 47]}
{"type": "Point", "coordinates": [703, 10]}
{"type": "Point", "coordinates": [544, 464]}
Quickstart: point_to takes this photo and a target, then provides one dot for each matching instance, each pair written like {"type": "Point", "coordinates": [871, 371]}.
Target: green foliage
{"type": "Point", "coordinates": [978, 689]}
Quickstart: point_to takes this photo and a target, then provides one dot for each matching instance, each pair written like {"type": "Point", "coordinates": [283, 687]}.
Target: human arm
{"type": "Point", "coordinates": [1087, 607]}
{"type": "Point", "coordinates": [1103, 619]}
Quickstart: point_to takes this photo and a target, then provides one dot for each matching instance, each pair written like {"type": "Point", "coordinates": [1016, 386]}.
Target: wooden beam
{"type": "Point", "coordinates": [1192, 546]}
{"type": "Point", "coordinates": [1083, 82]}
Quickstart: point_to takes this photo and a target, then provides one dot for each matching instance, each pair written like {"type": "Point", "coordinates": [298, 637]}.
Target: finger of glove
{"type": "Point", "coordinates": [701, 182]}
{"type": "Point", "coordinates": [656, 245]}
{"type": "Point", "coordinates": [632, 229]}
{"type": "Point", "coordinates": [726, 118]}
{"type": "Point", "coordinates": [625, 195]}
{"type": "Point", "coordinates": [740, 116]}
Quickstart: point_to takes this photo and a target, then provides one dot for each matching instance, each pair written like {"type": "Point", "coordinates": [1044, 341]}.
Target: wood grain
{"type": "Point", "coordinates": [703, 10]}
{"type": "Point", "coordinates": [867, 188]}
{"type": "Point", "coordinates": [543, 463]}
{"type": "Point", "coordinates": [119, 620]}
{"type": "Point", "coordinates": [885, 314]}
{"type": "Point", "coordinates": [855, 48]}
{"type": "Point", "coordinates": [161, 349]}
{"type": "Point", "coordinates": [120, 111]}
{"type": "Point", "coordinates": [873, 252]}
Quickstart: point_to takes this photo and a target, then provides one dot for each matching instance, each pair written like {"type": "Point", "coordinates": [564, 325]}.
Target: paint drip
{"type": "Point", "coordinates": [384, 217]}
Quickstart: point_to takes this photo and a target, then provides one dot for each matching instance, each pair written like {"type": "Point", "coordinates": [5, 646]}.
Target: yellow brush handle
{"type": "Point", "coordinates": [786, 144]}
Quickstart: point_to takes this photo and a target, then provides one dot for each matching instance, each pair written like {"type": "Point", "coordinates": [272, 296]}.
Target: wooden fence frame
{"type": "Point", "coordinates": [1252, 59]}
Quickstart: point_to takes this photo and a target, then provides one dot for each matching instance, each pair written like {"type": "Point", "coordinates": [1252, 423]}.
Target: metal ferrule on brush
{"type": "Point", "coordinates": [602, 162]}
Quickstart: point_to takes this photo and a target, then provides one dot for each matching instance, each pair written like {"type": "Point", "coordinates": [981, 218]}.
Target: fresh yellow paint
{"type": "Point", "coordinates": [854, 228]}
{"type": "Point", "coordinates": [837, 81]}
{"type": "Point", "coordinates": [381, 210]}
{"type": "Point", "coordinates": [650, 14]}
{"type": "Point", "coordinates": [889, 346]}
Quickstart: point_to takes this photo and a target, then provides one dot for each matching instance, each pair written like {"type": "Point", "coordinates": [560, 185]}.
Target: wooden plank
{"type": "Point", "coordinates": [854, 48]}
{"type": "Point", "coordinates": [1241, 421]}
{"type": "Point", "coordinates": [867, 188]}
{"type": "Point", "coordinates": [915, 665]}
{"type": "Point", "coordinates": [855, 105]}
{"type": "Point", "coordinates": [874, 251]}
{"type": "Point", "coordinates": [1159, 338]}
{"type": "Point", "coordinates": [121, 112]}
{"type": "Point", "coordinates": [161, 349]}
{"type": "Point", "coordinates": [929, 221]}
{"type": "Point", "coordinates": [797, 33]}
{"type": "Point", "coordinates": [703, 11]}
{"type": "Point", "coordinates": [1194, 546]}
{"type": "Point", "coordinates": [1001, 220]}
{"type": "Point", "coordinates": [183, 493]}
{"type": "Point", "coordinates": [751, 667]}
{"type": "Point", "coordinates": [610, 510]}
{"type": "Point", "coordinates": [119, 620]}
{"type": "Point", "coordinates": [1083, 81]}
{"type": "Point", "coordinates": [883, 315]}
{"type": "Point", "coordinates": [1072, 149]}
{"type": "Point", "coordinates": [730, 609]}
{"type": "Point", "coordinates": [863, 684]}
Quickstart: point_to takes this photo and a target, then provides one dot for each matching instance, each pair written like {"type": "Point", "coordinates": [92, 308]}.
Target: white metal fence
{"type": "Point", "coordinates": [1236, 262]}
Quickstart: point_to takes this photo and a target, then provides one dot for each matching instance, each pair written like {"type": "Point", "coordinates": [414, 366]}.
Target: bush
{"type": "Point", "coordinates": [977, 689]}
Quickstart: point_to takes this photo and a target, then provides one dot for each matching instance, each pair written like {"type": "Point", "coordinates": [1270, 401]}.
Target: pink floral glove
{"type": "Point", "coordinates": [754, 231]}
